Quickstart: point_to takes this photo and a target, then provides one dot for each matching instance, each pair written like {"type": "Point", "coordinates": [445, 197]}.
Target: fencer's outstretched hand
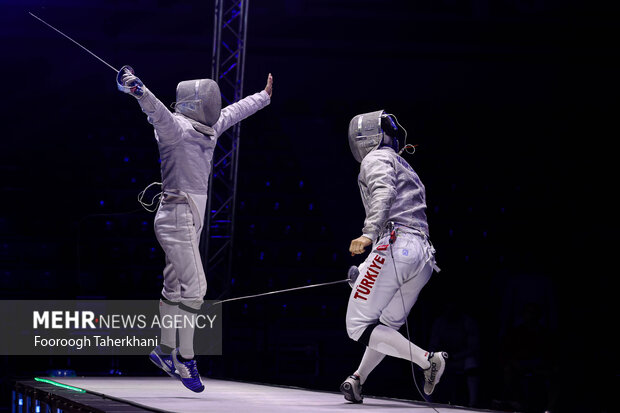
{"type": "Point", "coordinates": [359, 244]}
{"type": "Point", "coordinates": [269, 87]}
{"type": "Point", "coordinates": [133, 85]}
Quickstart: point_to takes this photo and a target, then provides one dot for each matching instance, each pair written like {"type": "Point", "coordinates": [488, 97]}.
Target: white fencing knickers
{"type": "Point", "coordinates": [177, 227]}
{"type": "Point", "coordinates": [375, 296]}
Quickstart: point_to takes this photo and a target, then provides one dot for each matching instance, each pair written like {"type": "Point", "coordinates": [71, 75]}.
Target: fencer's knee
{"type": "Point", "coordinates": [352, 333]}
{"type": "Point", "coordinates": [192, 306]}
{"type": "Point", "coordinates": [354, 329]}
{"type": "Point", "coordinates": [163, 300]}
{"type": "Point", "coordinates": [170, 295]}
{"type": "Point", "coordinates": [391, 323]}
{"type": "Point", "coordinates": [361, 331]}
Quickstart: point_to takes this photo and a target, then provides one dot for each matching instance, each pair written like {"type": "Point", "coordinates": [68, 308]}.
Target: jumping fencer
{"type": "Point", "coordinates": [186, 140]}
{"type": "Point", "coordinates": [386, 285]}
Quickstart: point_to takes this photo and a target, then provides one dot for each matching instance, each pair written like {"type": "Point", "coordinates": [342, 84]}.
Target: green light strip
{"type": "Point", "coordinates": [64, 386]}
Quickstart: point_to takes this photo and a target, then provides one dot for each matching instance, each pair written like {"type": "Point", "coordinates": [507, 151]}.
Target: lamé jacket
{"type": "Point", "coordinates": [391, 191]}
{"type": "Point", "coordinates": [185, 153]}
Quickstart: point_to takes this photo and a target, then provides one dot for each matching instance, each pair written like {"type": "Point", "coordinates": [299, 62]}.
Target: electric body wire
{"type": "Point", "coordinates": [407, 329]}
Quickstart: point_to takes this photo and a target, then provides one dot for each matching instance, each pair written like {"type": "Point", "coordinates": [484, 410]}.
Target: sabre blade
{"type": "Point", "coordinates": [94, 55]}
{"type": "Point", "coordinates": [280, 291]}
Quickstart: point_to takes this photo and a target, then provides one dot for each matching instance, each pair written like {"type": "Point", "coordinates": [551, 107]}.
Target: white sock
{"type": "Point", "coordinates": [370, 360]}
{"type": "Point", "coordinates": [169, 333]}
{"type": "Point", "coordinates": [388, 341]}
{"type": "Point", "coordinates": [186, 333]}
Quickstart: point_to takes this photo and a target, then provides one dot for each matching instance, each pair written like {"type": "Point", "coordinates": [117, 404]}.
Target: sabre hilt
{"type": "Point", "coordinates": [134, 87]}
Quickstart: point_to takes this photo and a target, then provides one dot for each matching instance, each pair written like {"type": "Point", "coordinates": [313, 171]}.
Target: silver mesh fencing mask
{"type": "Point", "coordinates": [365, 134]}
{"type": "Point", "coordinates": [199, 100]}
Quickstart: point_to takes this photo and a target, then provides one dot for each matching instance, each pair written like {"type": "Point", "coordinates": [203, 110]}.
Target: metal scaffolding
{"type": "Point", "coordinates": [229, 40]}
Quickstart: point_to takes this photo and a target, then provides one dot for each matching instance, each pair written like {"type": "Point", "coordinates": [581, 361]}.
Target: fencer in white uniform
{"type": "Point", "coordinates": [186, 140]}
{"type": "Point", "coordinates": [402, 258]}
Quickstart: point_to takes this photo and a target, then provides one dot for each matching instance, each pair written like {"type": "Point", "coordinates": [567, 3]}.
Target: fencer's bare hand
{"type": "Point", "coordinates": [359, 244]}
{"type": "Point", "coordinates": [269, 87]}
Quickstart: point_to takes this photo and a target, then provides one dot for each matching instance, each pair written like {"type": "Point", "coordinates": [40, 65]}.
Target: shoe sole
{"type": "Point", "coordinates": [347, 390]}
{"type": "Point", "coordinates": [199, 390]}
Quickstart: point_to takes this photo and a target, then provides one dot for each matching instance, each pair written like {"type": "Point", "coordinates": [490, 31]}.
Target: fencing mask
{"type": "Point", "coordinates": [199, 100]}
{"type": "Point", "coordinates": [366, 133]}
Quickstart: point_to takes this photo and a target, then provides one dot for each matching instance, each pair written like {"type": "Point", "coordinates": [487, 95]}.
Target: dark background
{"type": "Point", "coordinates": [513, 104]}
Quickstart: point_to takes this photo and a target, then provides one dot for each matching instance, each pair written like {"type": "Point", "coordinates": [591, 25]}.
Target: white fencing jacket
{"type": "Point", "coordinates": [391, 191]}
{"type": "Point", "coordinates": [185, 153]}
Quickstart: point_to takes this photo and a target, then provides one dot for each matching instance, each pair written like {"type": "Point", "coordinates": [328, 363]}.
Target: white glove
{"type": "Point", "coordinates": [127, 82]}
{"type": "Point", "coordinates": [352, 275]}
